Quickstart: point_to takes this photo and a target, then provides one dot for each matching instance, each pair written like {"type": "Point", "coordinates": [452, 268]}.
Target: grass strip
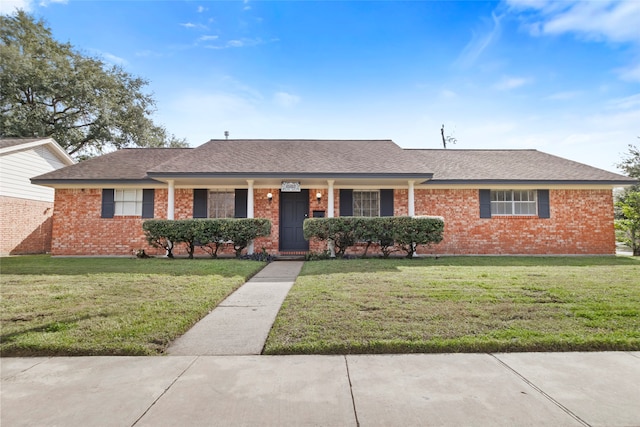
{"type": "Point", "coordinates": [461, 304]}
{"type": "Point", "coordinates": [108, 306]}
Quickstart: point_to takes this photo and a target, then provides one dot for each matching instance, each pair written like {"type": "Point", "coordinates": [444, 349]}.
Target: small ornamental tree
{"type": "Point", "coordinates": [243, 230]}
{"type": "Point", "coordinates": [629, 207]}
{"type": "Point", "coordinates": [376, 230]}
{"type": "Point", "coordinates": [628, 203]}
{"type": "Point", "coordinates": [412, 231]}
{"type": "Point", "coordinates": [160, 234]}
{"type": "Point", "coordinates": [388, 232]}
{"type": "Point", "coordinates": [189, 232]}
{"type": "Point", "coordinates": [340, 230]}
{"type": "Point", "coordinates": [211, 237]}
{"type": "Point", "coordinates": [163, 233]}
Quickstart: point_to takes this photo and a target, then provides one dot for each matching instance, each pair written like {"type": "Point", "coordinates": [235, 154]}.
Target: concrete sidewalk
{"type": "Point", "coordinates": [240, 324]}
{"type": "Point", "coordinates": [512, 389]}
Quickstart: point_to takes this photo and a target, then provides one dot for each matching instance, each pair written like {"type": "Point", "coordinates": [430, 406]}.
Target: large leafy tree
{"type": "Point", "coordinates": [48, 88]}
{"type": "Point", "coordinates": [628, 203]}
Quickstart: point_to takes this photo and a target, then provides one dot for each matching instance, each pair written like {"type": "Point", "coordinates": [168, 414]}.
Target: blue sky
{"type": "Point", "coordinates": [560, 77]}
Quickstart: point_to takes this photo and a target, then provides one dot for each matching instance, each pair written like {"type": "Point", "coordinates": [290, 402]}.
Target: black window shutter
{"type": "Point", "coordinates": [386, 202]}
{"type": "Point", "coordinates": [543, 204]}
{"type": "Point", "coordinates": [485, 203]}
{"type": "Point", "coordinates": [346, 202]}
{"type": "Point", "coordinates": [147, 202]}
{"type": "Point", "coordinates": [108, 203]}
{"type": "Point", "coordinates": [200, 202]}
{"type": "Point", "coordinates": [241, 203]}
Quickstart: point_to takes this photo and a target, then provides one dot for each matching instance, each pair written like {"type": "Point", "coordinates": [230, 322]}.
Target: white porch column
{"type": "Point", "coordinates": [330, 199]}
{"type": "Point", "coordinates": [330, 214]}
{"type": "Point", "coordinates": [250, 210]}
{"type": "Point", "coordinates": [411, 200]}
{"type": "Point", "coordinates": [171, 199]}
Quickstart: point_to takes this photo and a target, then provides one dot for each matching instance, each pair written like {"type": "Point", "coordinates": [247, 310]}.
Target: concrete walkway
{"type": "Point", "coordinates": [514, 389]}
{"type": "Point", "coordinates": [241, 323]}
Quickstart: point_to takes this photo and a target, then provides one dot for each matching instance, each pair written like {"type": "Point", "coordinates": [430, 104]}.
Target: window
{"type": "Point", "coordinates": [128, 202]}
{"type": "Point", "coordinates": [221, 204]}
{"type": "Point", "coordinates": [513, 202]}
{"type": "Point", "coordinates": [366, 203]}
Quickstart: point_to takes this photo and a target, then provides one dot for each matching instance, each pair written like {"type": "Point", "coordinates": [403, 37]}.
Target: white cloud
{"type": "Point", "coordinates": [45, 3]}
{"type": "Point", "coordinates": [113, 59]}
{"type": "Point", "coordinates": [109, 57]}
{"type": "Point", "coordinates": [286, 100]}
{"type": "Point", "coordinates": [192, 25]}
{"type": "Point", "coordinates": [237, 43]}
{"type": "Point", "coordinates": [564, 96]}
{"type": "Point", "coordinates": [202, 9]}
{"type": "Point", "coordinates": [509, 83]}
{"type": "Point", "coordinates": [448, 94]}
{"type": "Point", "coordinates": [626, 103]}
{"type": "Point", "coordinates": [208, 38]}
{"type": "Point", "coordinates": [479, 43]}
{"type": "Point", "coordinates": [8, 7]}
{"type": "Point", "coordinates": [605, 20]}
{"type": "Point", "coordinates": [630, 73]}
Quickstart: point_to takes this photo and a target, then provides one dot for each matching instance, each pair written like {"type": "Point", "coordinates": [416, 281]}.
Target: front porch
{"type": "Point", "coordinates": [287, 203]}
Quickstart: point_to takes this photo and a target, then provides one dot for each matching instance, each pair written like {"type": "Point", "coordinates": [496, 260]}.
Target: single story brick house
{"type": "Point", "coordinates": [493, 201]}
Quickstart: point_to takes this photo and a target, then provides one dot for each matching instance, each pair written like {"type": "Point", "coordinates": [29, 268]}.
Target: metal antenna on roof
{"type": "Point", "coordinates": [226, 134]}
{"type": "Point", "coordinates": [446, 139]}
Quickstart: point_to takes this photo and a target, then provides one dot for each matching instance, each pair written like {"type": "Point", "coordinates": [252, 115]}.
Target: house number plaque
{"type": "Point", "coordinates": [290, 187]}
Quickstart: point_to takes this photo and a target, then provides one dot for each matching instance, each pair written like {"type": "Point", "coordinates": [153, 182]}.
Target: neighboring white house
{"type": "Point", "coordinates": [25, 209]}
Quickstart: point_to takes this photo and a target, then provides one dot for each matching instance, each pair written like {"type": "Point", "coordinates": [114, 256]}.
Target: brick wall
{"type": "Point", "coordinates": [581, 223]}
{"type": "Point", "coordinates": [25, 226]}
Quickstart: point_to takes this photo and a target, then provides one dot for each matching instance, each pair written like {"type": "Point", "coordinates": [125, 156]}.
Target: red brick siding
{"type": "Point", "coordinates": [581, 223]}
{"type": "Point", "coordinates": [78, 228]}
{"type": "Point", "coordinates": [25, 226]}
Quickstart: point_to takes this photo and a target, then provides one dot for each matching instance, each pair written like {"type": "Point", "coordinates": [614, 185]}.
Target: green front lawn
{"type": "Point", "coordinates": [461, 304]}
{"type": "Point", "coordinates": [108, 306]}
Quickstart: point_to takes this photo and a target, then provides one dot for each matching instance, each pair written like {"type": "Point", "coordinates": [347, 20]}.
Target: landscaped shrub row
{"type": "Point", "coordinates": [390, 233]}
{"type": "Point", "coordinates": [210, 234]}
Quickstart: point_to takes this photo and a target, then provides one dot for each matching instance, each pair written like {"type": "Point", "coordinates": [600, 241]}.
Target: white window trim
{"type": "Point", "coordinates": [513, 203]}
{"type": "Point", "coordinates": [123, 202]}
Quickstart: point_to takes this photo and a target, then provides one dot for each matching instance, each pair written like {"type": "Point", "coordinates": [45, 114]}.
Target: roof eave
{"type": "Point", "coordinates": [615, 183]}
{"type": "Point", "coordinates": [75, 182]}
{"type": "Point", "coordinates": [288, 175]}
{"type": "Point", "coordinates": [55, 147]}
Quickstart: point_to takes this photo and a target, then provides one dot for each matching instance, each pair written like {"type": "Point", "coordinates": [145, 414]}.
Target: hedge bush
{"type": "Point", "coordinates": [210, 234]}
{"type": "Point", "coordinates": [390, 233]}
{"type": "Point", "coordinates": [161, 233]}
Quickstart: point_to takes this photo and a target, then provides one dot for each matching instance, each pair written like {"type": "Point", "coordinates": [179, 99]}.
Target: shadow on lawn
{"type": "Point", "coordinates": [47, 265]}
{"type": "Point", "coordinates": [369, 265]}
{"type": "Point", "coordinates": [9, 349]}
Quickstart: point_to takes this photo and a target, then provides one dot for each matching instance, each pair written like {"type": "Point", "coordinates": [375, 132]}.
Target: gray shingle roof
{"type": "Point", "coordinates": [369, 159]}
{"type": "Point", "coordinates": [305, 157]}
{"type": "Point", "coordinates": [129, 164]}
{"type": "Point", "coordinates": [459, 166]}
